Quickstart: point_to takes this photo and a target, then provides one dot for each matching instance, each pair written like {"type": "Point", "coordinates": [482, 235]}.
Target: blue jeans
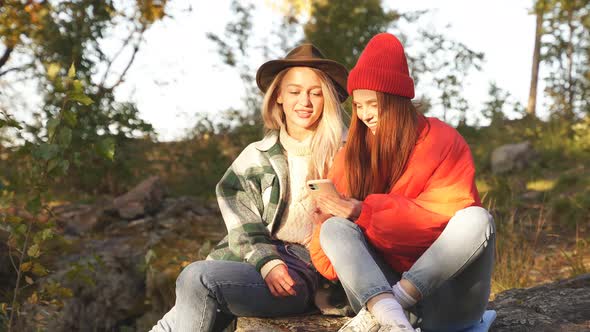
{"type": "Point", "coordinates": [453, 275]}
{"type": "Point", "coordinates": [210, 294]}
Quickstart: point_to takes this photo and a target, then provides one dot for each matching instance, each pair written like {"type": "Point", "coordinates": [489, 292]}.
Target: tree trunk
{"type": "Point", "coordinates": [570, 67]}
{"type": "Point", "coordinates": [532, 105]}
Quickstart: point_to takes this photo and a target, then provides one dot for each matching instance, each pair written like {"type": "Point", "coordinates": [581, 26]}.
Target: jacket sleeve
{"type": "Point", "coordinates": [395, 222]}
{"type": "Point", "coordinates": [318, 257]}
{"type": "Point", "coordinates": [240, 202]}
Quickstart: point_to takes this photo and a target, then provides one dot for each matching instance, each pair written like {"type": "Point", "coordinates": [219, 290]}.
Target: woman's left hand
{"type": "Point", "coordinates": [348, 208]}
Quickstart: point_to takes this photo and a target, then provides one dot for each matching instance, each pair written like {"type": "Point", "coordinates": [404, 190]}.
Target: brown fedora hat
{"type": "Point", "coordinates": [305, 55]}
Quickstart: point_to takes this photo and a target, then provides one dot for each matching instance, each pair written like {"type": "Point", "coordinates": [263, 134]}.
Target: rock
{"type": "Point", "coordinates": [113, 287]}
{"type": "Point", "coordinates": [316, 323]}
{"type": "Point", "coordinates": [144, 199]}
{"type": "Point", "coordinates": [559, 306]}
{"type": "Point", "coordinates": [80, 219]}
{"type": "Point", "coordinates": [511, 157]}
{"type": "Point", "coordinates": [107, 278]}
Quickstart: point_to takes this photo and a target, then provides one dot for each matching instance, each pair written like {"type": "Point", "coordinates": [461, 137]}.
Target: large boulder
{"type": "Point", "coordinates": [145, 198]}
{"type": "Point", "coordinates": [559, 306]}
{"type": "Point", "coordinates": [79, 219]}
{"type": "Point", "coordinates": [512, 157]}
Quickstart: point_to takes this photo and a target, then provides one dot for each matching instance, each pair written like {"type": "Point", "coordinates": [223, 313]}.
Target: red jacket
{"type": "Point", "coordinates": [439, 180]}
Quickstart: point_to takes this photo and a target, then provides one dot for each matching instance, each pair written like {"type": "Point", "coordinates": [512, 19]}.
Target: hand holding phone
{"type": "Point", "coordinates": [333, 204]}
{"type": "Point", "coordinates": [322, 186]}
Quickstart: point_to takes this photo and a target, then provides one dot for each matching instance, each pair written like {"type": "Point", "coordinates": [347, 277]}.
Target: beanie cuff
{"type": "Point", "coordinates": [380, 79]}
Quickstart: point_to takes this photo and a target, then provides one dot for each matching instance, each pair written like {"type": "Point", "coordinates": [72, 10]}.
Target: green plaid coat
{"type": "Point", "coordinates": [252, 197]}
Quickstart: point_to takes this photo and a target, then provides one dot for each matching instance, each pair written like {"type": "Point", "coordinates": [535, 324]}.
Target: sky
{"type": "Point", "coordinates": [178, 73]}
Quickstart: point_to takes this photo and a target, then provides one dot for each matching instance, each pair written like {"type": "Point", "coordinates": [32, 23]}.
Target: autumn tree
{"type": "Point", "coordinates": [39, 40]}
{"type": "Point", "coordinates": [566, 53]}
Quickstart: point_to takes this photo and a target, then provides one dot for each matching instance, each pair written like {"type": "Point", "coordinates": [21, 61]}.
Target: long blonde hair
{"type": "Point", "coordinates": [327, 137]}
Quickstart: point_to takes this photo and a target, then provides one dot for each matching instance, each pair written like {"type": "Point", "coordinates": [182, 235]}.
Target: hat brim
{"type": "Point", "coordinates": [337, 72]}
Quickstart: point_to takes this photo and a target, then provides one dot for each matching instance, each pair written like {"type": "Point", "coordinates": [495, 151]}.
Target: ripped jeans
{"type": "Point", "coordinates": [453, 275]}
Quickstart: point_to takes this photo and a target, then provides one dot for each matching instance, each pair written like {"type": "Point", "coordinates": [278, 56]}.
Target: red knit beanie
{"type": "Point", "coordinates": [382, 67]}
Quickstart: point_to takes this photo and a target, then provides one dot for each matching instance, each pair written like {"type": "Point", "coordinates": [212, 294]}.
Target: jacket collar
{"type": "Point", "coordinates": [269, 140]}
{"type": "Point", "coordinates": [272, 138]}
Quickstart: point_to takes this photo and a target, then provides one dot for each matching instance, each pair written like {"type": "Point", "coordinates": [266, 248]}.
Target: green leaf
{"type": "Point", "coordinates": [34, 205]}
{"type": "Point", "coordinates": [78, 87]}
{"type": "Point", "coordinates": [80, 98]}
{"type": "Point", "coordinates": [47, 234]}
{"type": "Point", "coordinates": [70, 118]}
{"type": "Point", "coordinates": [43, 235]}
{"type": "Point", "coordinates": [46, 151]}
{"type": "Point", "coordinates": [10, 123]}
{"type": "Point", "coordinates": [72, 71]}
{"type": "Point", "coordinates": [51, 126]}
{"type": "Point", "coordinates": [65, 137]}
{"type": "Point", "coordinates": [39, 270]}
{"type": "Point", "coordinates": [13, 123]}
{"type": "Point", "coordinates": [34, 251]}
{"type": "Point", "coordinates": [21, 229]}
{"type": "Point", "coordinates": [106, 148]}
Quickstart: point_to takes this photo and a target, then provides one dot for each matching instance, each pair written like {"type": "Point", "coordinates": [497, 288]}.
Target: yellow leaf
{"type": "Point", "coordinates": [72, 71]}
{"type": "Point", "coordinates": [34, 251]}
{"type": "Point", "coordinates": [11, 242]}
{"type": "Point", "coordinates": [52, 70]}
{"type": "Point", "coordinates": [29, 280]}
{"type": "Point", "coordinates": [14, 219]}
{"type": "Point", "coordinates": [3, 307]}
{"type": "Point", "coordinates": [34, 298]}
{"type": "Point", "coordinates": [25, 267]}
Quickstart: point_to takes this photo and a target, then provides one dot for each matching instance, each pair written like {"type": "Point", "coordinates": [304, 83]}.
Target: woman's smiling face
{"type": "Point", "coordinates": [367, 108]}
{"type": "Point", "coordinates": [302, 99]}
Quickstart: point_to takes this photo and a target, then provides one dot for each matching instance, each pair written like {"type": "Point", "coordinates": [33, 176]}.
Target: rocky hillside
{"type": "Point", "coordinates": [126, 253]}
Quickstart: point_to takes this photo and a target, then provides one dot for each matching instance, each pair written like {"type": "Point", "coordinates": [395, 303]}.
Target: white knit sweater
{"type": "Point", "coordinates": [296, 223]}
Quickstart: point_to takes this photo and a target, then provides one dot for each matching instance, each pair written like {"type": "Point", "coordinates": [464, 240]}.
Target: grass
{"type": "Point", "coordinates": [542, 212]}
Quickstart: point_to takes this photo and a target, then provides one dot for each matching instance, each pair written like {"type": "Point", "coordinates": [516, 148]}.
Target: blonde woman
{"type": "Point", "coordinates": [262, 267]}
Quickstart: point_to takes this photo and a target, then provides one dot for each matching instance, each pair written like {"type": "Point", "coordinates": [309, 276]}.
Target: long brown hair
{"type": "Point", "coordinates": [374, 163]}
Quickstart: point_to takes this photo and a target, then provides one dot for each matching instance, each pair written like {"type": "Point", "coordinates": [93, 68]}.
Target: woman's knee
{"type": "Point", "coordinates": [192, 276]}
{"type": "Point", "coordinates": [478, 220]}
{"type": "Point", "coordinates": [336, 231]}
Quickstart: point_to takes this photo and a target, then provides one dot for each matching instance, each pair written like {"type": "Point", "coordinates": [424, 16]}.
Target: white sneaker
{"type": "Point", "coordinates": [362, 322]}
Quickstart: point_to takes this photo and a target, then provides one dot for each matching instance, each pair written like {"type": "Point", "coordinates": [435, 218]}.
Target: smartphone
{"type": "Point", "coordinates": [324, 186]}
